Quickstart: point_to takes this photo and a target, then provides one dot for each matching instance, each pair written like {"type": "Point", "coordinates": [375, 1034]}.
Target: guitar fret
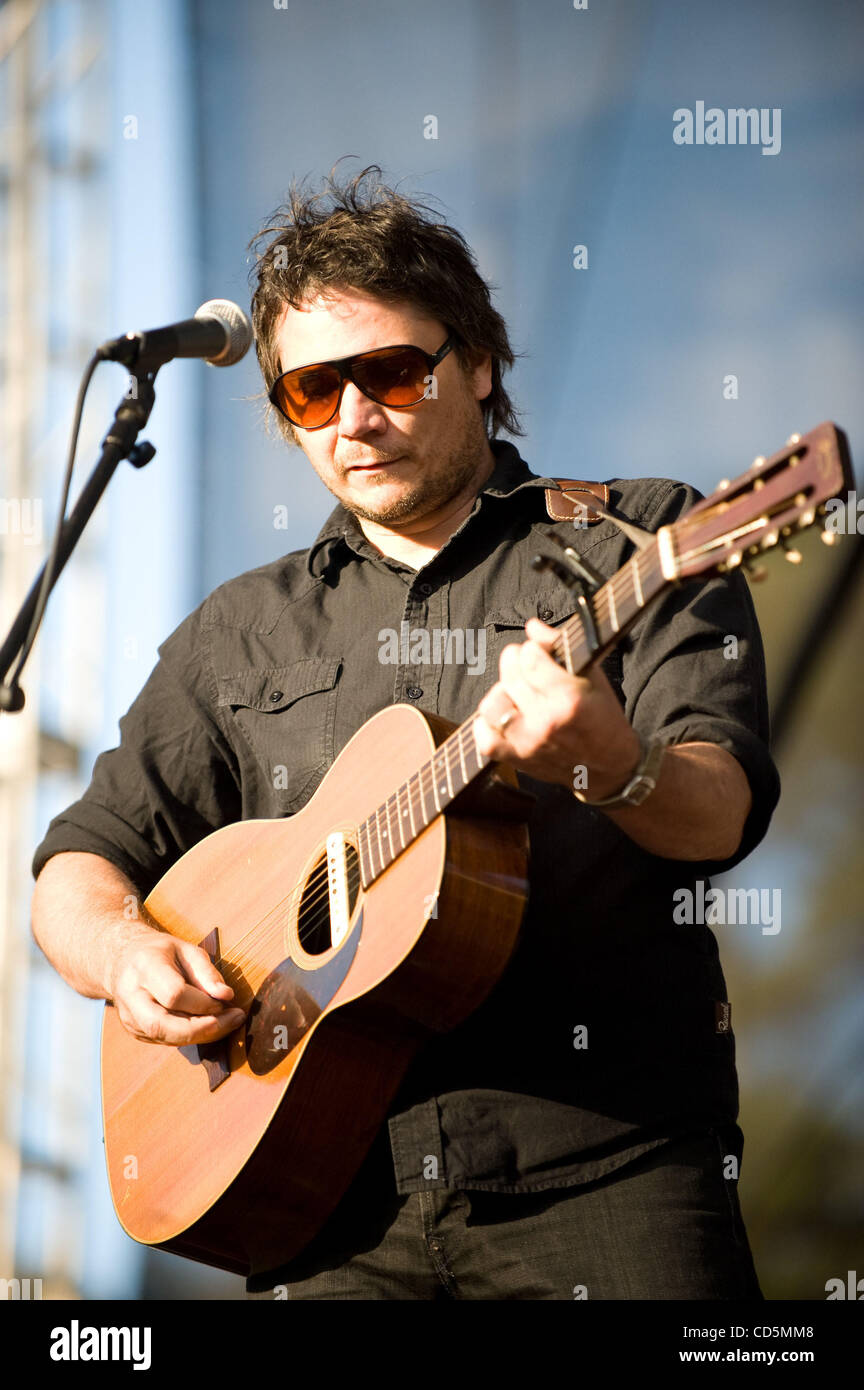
{"type": "Point", "coordinates": [384, 835]}
{"type": "Point", "coordinates": [435, 788]}
{"type": "Point", "coordinates": [378, 835]}
{"type": "Point", "coordinates": [411, 805]}
{"type": "Point", "coordinates": [575, 635]}
{"type": "Point", "coordinates": [370, 847]}
{"type": "Point", "coordinates": [479, 761]}
{"type": "Point", "coordinates": [400, 817]}
{"type": "Point", "coordinates": [637, 579]}
{"type": "Point", "coordinates": [388, 833]}
{"type": "Point", "coordinates": [393, 807]}
{"type": "Point", "coordinates": [463, 768]}
{"type": "Point", "coordinates": [430, 806]}
{"type": "Point", "coordinates": [568, 653]}
{"type": "Point", "coordinates": [613, 613]}
{"type": "Point", "coordinates": [363, 848]}
{"type": "Point", "coordinates": [444, 787]}
{"type": "Point", "coordinates": [447, 770]}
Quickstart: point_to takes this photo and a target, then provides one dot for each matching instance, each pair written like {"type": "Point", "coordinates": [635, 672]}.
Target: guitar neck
{"type": "Point", "coordinates": [394, 825]}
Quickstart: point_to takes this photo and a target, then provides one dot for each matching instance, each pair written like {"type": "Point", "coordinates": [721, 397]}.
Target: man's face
{"type": "Point", "coordinates": [388, 464]}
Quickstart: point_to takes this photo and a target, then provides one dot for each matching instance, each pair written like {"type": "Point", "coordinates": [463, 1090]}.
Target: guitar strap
{"type": "Point", "coordinates": [563, 503]}
{"type": "Point", "coordinates": [562, 508]}
{"type": "Point", "coordinates": [569, 502]}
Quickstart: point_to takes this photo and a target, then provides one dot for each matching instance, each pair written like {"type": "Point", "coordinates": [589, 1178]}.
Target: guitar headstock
{"type": "Point", "coordinates": [764, 506]}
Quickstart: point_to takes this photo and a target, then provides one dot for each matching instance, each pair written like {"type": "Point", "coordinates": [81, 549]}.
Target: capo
{"type": "Point", "coordinates": [576, 568]}
{"type": "Point", "coordinates": [573, 570]}
{"type": "Point", "coordinates": [589, 624]}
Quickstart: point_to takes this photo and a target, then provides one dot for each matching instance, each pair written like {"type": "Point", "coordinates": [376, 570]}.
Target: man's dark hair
{"type": "Point", "coordinates": [372, 238]}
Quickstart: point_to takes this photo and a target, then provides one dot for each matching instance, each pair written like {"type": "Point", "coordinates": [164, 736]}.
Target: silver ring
{"type": "Point", "coordinates": [506, 719]}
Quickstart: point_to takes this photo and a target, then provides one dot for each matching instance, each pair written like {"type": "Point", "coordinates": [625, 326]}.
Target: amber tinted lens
{"type": "Point", "coordinates": [308, 396]}
{"type": "Point", "coordinates": [393, 376]}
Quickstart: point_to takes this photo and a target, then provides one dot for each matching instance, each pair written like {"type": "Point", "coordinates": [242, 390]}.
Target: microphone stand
{"type": "Point", "coordinates": [119, 443]}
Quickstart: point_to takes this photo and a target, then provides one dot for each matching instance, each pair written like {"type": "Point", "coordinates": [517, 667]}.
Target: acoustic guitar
{"type": "Point", "coordinates": [382, 913]}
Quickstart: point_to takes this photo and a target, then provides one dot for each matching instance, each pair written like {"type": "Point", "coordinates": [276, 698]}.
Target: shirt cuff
{"type": "Point", "coordinates": [755, 759]}
{"type": "Point", "coordinates": [69, 838]}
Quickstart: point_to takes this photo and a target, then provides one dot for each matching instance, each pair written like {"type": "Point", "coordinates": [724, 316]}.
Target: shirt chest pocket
{"type": "Point", "coordinates": [507, 624]}
{"type": "Point", "coordinates": [287, 716]}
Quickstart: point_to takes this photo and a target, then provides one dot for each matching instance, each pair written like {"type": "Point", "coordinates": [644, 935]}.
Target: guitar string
{"type": "Point", "coordinates": [454, 743]}
{"type": "Point", "coordinates": [621, 585]}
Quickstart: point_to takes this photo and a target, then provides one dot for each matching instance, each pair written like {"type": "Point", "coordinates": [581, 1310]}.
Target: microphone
{"type": "Point", "coordinates": [220, 333]}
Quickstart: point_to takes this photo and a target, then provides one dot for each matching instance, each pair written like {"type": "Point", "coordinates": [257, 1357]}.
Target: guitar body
{"type": "Point", "coordinates": [236, 1154]}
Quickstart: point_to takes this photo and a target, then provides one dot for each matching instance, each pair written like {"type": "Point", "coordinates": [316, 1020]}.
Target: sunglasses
{"type": "Point", "coordinates": [397, 376]}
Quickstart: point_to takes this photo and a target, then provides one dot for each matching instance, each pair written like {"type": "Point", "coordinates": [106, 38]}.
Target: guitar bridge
{"type": "Point", "coordinates": [337, 888]}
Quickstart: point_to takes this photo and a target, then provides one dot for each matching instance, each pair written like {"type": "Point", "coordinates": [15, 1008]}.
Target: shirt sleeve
{"type": "Point", "coordinates": [171, 780]}
{"type": "Point", "coordinates": [694, 672]}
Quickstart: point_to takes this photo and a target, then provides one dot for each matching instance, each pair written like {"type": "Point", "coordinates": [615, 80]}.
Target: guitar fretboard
{"type": "Point", "coordinates": [393, 826]}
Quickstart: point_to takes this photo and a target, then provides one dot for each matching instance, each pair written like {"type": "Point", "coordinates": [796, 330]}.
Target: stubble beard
{"type": "Point", "coordinates": [432, 491]}
{"type": "Point", "coordinates": [428, 495]}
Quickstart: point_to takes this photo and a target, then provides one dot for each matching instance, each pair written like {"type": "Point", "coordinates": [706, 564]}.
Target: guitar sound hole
{"type": "Point", "coordinates": [313, 916]}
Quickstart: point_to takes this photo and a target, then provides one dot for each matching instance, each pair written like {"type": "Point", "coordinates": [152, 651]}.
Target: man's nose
{"type": "Point", "coordinates": [357, 413]}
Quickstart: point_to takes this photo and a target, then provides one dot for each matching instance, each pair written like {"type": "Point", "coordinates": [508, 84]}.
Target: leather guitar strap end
{"type": "Point", "coordinates": [560, 507]}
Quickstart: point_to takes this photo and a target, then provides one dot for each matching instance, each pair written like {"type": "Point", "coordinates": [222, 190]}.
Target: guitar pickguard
{"type": "Point", "coordinates": [288, 1003]}
{"type": "Point", "coordinates": [284, 1008]}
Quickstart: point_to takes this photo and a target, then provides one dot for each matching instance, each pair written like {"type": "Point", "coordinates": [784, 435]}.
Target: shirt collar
{"type": "Point", "coordinates": [510, 475]}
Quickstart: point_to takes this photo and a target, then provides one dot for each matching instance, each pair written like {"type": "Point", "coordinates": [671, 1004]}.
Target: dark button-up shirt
{"type": "Point", "coordinates": [606, 1034]}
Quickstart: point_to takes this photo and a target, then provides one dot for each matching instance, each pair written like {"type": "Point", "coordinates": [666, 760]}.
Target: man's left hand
{"type": "Point", "coordinates": [555, 722]}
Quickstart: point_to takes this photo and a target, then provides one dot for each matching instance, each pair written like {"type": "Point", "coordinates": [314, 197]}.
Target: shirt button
{"type": "Point", "coordinates": [275, 695]}
{"type": "Point", "coordinates": [414, 692]}
{"type": "Point", "coordinates": [544, 614]}
{"type": "Point", "coordinates": [434, 1245]}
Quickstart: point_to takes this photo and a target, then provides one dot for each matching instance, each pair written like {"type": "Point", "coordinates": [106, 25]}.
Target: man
{"type": "Point", "coordinates": [577, 1135]}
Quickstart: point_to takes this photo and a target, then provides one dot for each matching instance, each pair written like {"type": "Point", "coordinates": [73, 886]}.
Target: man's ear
{"type": "Point", "coordinates": [479, 372]}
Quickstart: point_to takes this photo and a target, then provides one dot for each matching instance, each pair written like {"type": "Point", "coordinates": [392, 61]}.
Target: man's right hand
{"type": "Point", "coordinates": [169, 991]}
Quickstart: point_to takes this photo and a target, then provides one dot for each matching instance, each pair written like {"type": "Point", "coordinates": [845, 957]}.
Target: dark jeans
{"type": "Point", "coordinates": [666, 1226]}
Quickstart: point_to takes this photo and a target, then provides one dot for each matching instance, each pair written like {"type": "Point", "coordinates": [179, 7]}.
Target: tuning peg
{"type": "Point", "coordinates": [792, 555]}
{"type": "Point", "coordinates": [829, 537]}
{"type": "Point", "coordinates": [756, 573]}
